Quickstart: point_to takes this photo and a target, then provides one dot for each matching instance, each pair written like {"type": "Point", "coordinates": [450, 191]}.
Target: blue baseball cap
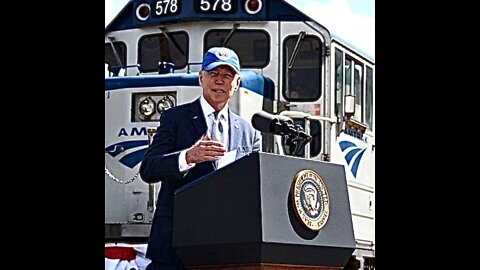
{"type": "Point", "coordinates": [217, 56]}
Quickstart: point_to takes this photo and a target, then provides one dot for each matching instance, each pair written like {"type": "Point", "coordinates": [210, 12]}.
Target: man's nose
{"type": "Point", "coordinates": [220, 80]}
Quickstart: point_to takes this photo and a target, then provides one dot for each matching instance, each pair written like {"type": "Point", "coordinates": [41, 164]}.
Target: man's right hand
{"type": "Point", "coordinates": [204, 150]}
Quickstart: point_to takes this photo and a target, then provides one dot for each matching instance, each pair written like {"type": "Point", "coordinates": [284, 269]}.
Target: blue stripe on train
{"type": "Point", "coordinates": [250, 80]}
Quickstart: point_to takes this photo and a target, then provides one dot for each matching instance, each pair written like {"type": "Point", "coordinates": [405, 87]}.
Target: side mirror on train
{"type": "Point", "coordinates": [349, 105]}
{"type": "Point", "coordinates": [115, 70]}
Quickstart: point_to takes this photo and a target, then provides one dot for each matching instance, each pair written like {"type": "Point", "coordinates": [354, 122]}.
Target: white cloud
{"type": "Point", "coordinates": [110, 11]}
{"type": "Point", "coordinates": [338, 17]}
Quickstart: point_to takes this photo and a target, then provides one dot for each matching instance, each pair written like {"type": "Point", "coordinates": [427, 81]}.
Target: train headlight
{"type": "Point", "coordinates": [143, 11]}
{"type": "Point", "coordinates": [164, 104]}
{"type": "Point", "coordinates": [147, 107]}
{"type": "Point", "coordinates": [253, 6]}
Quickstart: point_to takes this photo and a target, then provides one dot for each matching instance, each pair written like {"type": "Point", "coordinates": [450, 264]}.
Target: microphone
{"type": "Point", "coordinates": [277, 124]}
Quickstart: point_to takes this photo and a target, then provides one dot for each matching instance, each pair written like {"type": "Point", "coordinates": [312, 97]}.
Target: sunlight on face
{"type": "Point", "coordinates": [218, 85]}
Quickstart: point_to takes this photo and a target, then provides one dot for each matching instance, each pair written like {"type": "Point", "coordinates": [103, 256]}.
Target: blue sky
{"type": "Point", "coordinates": [353, 20]}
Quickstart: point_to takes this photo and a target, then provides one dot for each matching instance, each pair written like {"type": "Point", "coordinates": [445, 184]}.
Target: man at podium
{"type": "Point", "coordinates": [188, 143]}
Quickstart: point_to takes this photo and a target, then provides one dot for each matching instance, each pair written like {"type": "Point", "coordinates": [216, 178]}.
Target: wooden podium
{"type": "Point", "coordinates": [243, 216]}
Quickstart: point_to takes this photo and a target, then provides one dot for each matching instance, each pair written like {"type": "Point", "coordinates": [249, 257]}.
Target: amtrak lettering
{"type": "Point", "coordinates": [355, 134]}
{"type": "Point", "coordinates": [133, 132]}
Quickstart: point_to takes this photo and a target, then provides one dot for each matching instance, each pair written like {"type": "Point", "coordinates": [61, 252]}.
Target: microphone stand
{"type": "Point", "coordinates": [296, 139]}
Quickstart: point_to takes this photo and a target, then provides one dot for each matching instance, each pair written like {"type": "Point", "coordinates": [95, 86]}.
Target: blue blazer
{"type": "Point", "coordinates": [180, 127]}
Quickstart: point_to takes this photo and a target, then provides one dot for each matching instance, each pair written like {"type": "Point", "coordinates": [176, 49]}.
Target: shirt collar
{"type": "Point", "coordinates": [208, 109]}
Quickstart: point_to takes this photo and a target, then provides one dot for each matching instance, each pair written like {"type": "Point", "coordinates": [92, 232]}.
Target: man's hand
{"type": "Point", "coordinates": [204, 150]}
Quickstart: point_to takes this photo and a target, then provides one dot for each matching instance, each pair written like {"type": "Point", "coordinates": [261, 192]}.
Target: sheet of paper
{"type": "Point", "coordinates": [227, 158]}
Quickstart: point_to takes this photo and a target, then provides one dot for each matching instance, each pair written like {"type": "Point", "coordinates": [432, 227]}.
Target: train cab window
{"type": "Point", "coordinates": [251, 46]}
{"type": "Point", "coordinates": [354, 85]}
{"type": "Point", "coordinates": [111, 59]}
{"type": "Point", "coordinates": [369, 98]}
{"type": "Point", "coordinates": [338, 83]}
{"type": "Point", "coordinates": [169, 47]}
{"type": "Point", "coordinates": [348, 76]}
{"type": "Point", "coordinates": [315, 144]}
{"type": "Point", "coordinates": [302, 68]}
{"type": "Point", "coordinates": [358, 81]}
{"type": "Point", "coordinates": [358, 91]}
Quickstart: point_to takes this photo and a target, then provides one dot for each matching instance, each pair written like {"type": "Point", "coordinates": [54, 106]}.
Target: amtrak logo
{"type": "Point", "coordinates": [310, 199]}
{"type": "Point", "coordinates": [129, 153]}
{"type": "Point", "coordinates": [352, 153]}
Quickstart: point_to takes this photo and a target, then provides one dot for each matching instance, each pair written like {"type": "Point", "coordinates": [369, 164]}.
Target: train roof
{"type": "Point", "coordinates": [273, 10]}
{"type": "Point", "coordinates": [354, 48]}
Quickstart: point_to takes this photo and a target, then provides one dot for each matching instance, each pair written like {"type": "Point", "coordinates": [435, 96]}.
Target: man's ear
{"type": "Point", "coordinates": [200, 77]}
{"type": "Point", "coordinates": [237, 85]}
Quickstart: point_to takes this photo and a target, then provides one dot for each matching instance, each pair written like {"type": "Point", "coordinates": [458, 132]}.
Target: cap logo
{"type": "Point", "coordinates": [223, 55]}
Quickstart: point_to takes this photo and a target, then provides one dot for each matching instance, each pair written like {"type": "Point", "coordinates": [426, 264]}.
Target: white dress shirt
{"type": "Point", "coordinates": [207, 110]}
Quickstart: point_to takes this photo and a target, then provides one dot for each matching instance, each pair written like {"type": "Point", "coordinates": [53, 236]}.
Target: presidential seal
{"type": "Point", "coordinates": [310, 199]}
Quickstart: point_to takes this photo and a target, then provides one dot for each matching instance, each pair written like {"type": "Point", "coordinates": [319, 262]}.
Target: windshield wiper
{"type": "Point", "coordinates": [164, 31]}
{"type": "Point", "coordinates": [117, 58]}
{"type": "Point", "coordinates": [301, 36]}
{"type": "Point", "coordinates": [235, 26]}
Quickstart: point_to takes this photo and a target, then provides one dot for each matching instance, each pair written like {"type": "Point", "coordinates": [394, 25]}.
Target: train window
{"type": "Point", "coordinates": [358, 82]}
{"type": "Point", "coordinates": [369, 263]}
{"type": "Point", "coordinates": [169, 47]}
{"type": "Point", "coordinates": [348, 77]}
{"type": "Point", "coordinates": [369, 98]}
{"type": "Point", "coordinates": [111, 59]}
{"type": "Point", "coordinates": [302, 68]}
{"type": "Point", "coordinates": [251, 46]}
{"type": "Point", "coordinates": [358, 91]}
{"type": "Point", "coordinates": [338, 83]}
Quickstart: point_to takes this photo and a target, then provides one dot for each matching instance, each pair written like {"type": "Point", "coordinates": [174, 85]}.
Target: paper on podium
{"type": "Point", "coordinates": [227, 158]}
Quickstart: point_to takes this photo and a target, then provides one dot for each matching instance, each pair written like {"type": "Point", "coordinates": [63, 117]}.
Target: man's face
{"type": "Point", "coordinates": [218, 85]}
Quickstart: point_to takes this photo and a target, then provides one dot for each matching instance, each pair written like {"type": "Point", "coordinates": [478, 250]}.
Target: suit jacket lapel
{"type": "Point", "coordinates": [197, 118]}
{"type": "Point", "coordinates": [198, 121]}
{"type": "Point", "coordinates": [234, 131]}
